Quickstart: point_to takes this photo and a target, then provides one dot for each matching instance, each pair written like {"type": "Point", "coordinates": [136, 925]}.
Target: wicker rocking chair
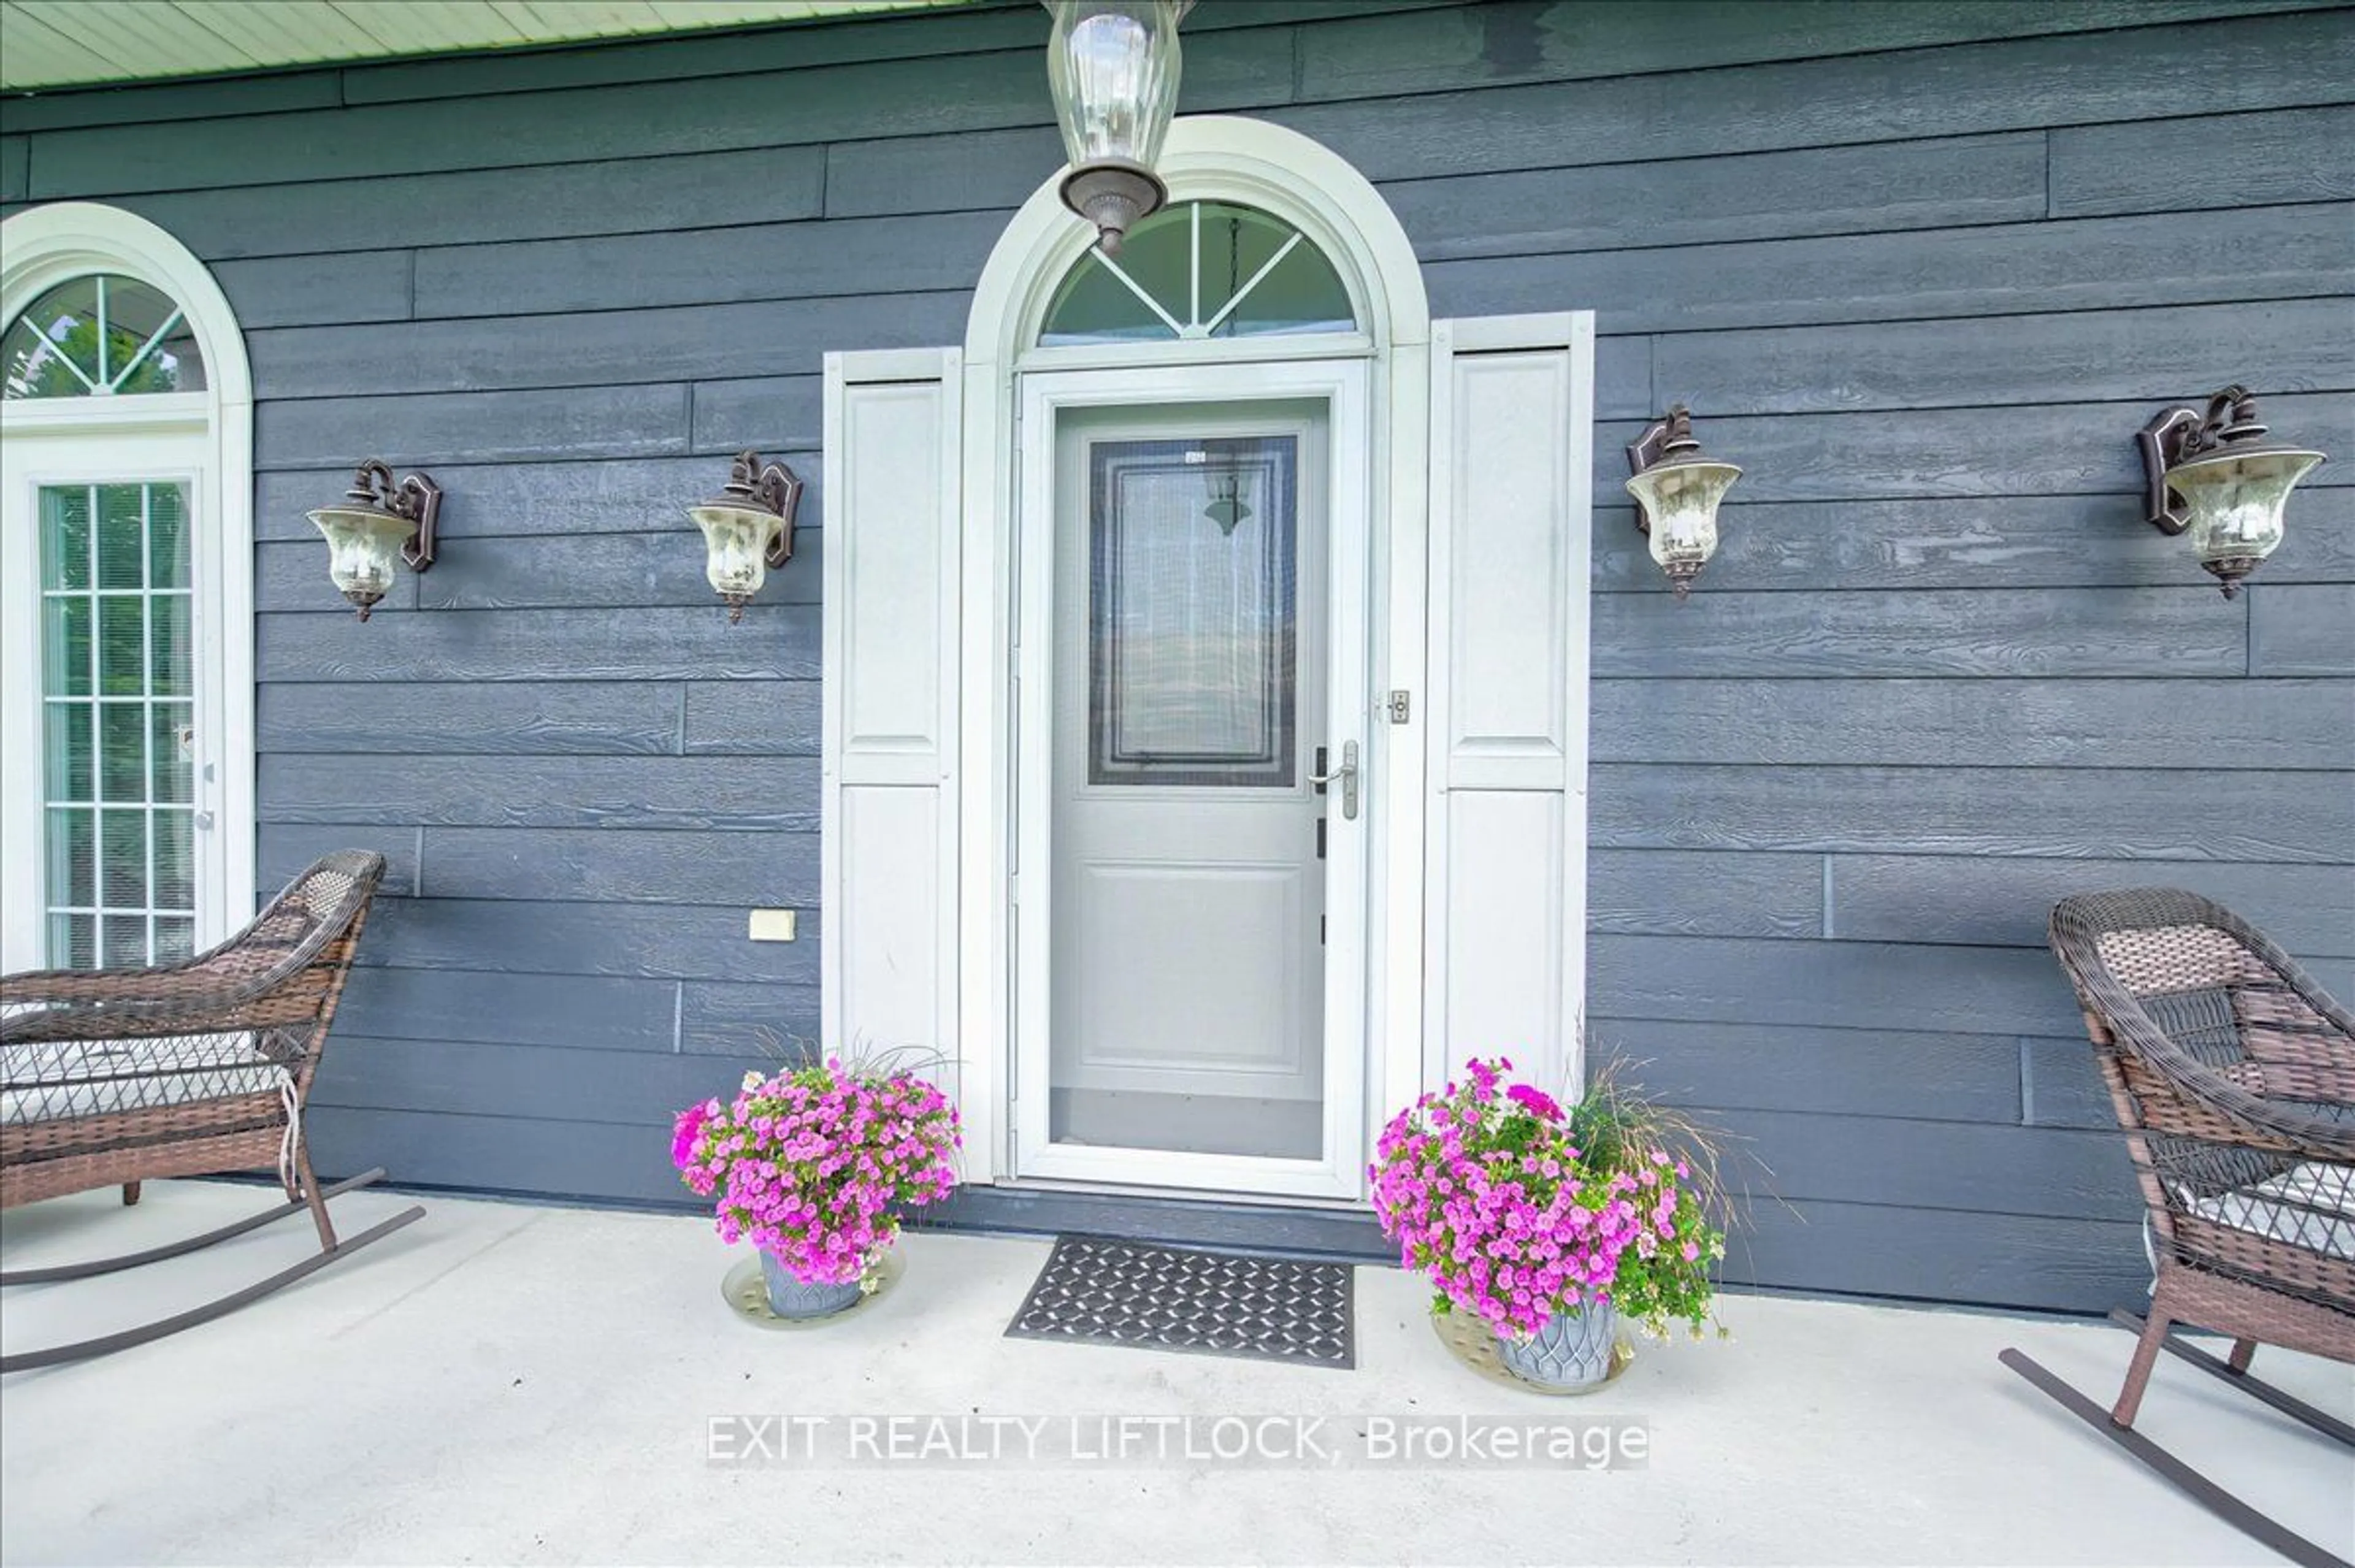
{"type": "Point", "coordinates": [2234, 1077]}
{"type": "Point", "coordinates": [109, 1077]}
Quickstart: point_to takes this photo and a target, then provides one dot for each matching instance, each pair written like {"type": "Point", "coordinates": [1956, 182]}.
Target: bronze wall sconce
{"type": "Point", "coordinates": [2217, 478]}
{"type": "Point", "coordinates": [747, 528]}
{"type": "Point", "coordinates": [1676, 491]}
{"type": "Point", "coordinates": [378, 523]}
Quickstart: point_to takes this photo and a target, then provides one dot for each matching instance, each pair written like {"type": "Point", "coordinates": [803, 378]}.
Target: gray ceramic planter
{"type": "Point", "coordinates": [1573, 1349]}
{"type": "Point", "coordinates": [789, 1298]}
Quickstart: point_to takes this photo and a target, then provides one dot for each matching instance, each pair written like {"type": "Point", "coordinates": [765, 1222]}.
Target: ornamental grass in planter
{"type": "Point", "coordinates": [1549, 1225]}
{"type": "Point", "coordinates": [813, 1165]}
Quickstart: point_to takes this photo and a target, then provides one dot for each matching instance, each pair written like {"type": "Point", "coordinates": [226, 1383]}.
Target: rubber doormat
{"type": "Point", "coordinates": [1099, 1290]}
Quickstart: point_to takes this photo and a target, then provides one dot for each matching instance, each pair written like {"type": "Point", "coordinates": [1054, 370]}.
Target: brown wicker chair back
{"type": "Point", "coordinates": [2233, 1073]}
{"type": "Point", "coordinates": [112, 1076]}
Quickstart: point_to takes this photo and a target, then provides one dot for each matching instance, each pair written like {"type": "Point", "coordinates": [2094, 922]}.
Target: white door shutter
{"type": "Point", "coordinates": [889, 852]}
{"type": "Point", "coordinates": [1512, 467]}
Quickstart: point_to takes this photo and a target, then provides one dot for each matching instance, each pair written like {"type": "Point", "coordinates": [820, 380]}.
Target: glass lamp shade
{"type": "Point", "coordinates": [2233, 503]}
{"type": "Point", "coordinates": [737, 541]}
{"type": "Point", "coordinates": [1112, 66]}
{"type": "Point", "coordinates": [1679, 498]}
{"type": "Point", "coordinates": [363, 550]}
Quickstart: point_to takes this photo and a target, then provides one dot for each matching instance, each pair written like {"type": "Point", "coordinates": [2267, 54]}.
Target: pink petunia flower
{"type": "Point", "coordinates": [1535, 1100]}
{"type": "Point", "coordinates": [689, 1129]}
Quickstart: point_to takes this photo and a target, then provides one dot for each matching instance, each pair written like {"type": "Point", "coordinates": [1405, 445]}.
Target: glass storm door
{"type": "Point", "coordinates": [1193, 933]}
{"type": "Point", "coordinates": [118, 687]}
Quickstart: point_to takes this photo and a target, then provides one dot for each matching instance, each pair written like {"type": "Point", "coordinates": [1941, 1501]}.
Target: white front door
{"type": "Point", "coordinates": [1190, 897]}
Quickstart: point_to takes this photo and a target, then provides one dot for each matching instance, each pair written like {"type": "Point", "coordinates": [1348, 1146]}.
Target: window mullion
{"type": "Point", "coordinates": [1138, 290]}
{"type": "Point", "coordinates": [58, 351]}
{"type": "Point", "coordinates": [145, 348]}
{"type": "Point", "coordinates": [1253, 282]}
{"type": "Point", "coordinates": [1194, 271]}
{"type": "Point", "coordinates": [147, 707]}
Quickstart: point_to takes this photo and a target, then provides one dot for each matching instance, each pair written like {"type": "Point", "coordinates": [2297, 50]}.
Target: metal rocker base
{"type": "Point", "coordinates": [2258, 1527]}
{"type": "Point", "coordinates": [106, 1344]}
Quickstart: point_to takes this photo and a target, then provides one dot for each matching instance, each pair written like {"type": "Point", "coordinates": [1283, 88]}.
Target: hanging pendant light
{"type": "Point", "coordinates": [1225, 506]}
{"type": "Point", "coordinates": [1113, 66]}
{"type": "Point", "coordinates": [1226, 509]}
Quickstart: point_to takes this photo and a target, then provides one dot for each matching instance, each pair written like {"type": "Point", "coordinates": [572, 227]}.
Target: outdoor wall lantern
{"type": "Point", "coordinates": [1112, 66]}
{"type": "Point", "coordinates": [377, 525]}
{"type": "Point", "coordinates": [2219, 478]}
{"type": "Point", "coordinates": [748, 528]}
{"type": "Point", "coordinates": [1677, 491]}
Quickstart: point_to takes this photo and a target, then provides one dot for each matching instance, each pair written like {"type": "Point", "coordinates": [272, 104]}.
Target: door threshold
{"type": "Point", "coordinates": [1287, 1227]}
{"type": "Point", "coordinates": [1225, 1197]}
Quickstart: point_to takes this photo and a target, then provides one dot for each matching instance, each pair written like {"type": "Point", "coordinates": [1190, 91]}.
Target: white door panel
{"type": "Point", "coordinates": [1145, 937]}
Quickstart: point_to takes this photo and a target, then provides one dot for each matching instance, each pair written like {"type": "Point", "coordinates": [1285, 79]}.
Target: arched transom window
{"type": "Point", "coordinates": [1201, 269]}
{"type": "Point", "coordinates": [100, 336]}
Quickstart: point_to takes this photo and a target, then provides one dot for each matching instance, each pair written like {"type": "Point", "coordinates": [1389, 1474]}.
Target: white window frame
{"type": "Point", "coordinates": [204, 439]}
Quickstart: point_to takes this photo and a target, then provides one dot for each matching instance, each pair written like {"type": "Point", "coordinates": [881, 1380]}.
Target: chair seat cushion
{"type": "Point", "coordinates": [54, 1082]}
{"type": "Point", "coordinates": [2312, 1205]}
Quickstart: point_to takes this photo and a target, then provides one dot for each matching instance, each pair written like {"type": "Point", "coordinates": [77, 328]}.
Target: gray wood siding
{"type": "Point", "coordinates": [1921, 268]}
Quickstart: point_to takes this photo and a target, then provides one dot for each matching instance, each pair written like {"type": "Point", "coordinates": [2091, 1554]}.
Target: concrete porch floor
{"type": "Point", "coordinates": [511, 1383]}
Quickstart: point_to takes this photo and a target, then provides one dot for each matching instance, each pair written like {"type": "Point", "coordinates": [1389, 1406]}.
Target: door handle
{"type": "Point", "coordinates": [1348, 775]}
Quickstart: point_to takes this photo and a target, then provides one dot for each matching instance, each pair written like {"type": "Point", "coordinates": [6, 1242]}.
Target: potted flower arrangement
{"type": "Point", "coordinates": [1549, 1225]}
{"type": "Point", "coordinates": [813, 1165]}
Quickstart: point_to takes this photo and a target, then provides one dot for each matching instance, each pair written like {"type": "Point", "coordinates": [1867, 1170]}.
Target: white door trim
{"type": "Point", "coordinates": [41, 248]}
{"type": "Point", "coordinates": [1317, 191]}
{"type": "Point", "coordinates": [1341, 385]}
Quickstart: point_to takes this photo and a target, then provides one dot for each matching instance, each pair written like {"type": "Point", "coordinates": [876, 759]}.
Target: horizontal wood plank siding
{"type": "Point", "coordinates": [1938, 541]}
{"type": "Point", "coordinates": [1993, 721]}
{"type": "Point", "coordinates": [1922, 267]}
{"type": "Point", "coordinates": [2283, 156]}
{"type": "Point", "coordinates": [2216, 67]}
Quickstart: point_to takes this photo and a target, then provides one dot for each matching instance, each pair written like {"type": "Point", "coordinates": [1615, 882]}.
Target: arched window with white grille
{"type": "Point", "coordinates": [126, 668]}
{"type": "Point", "coordinates": [1201, 269]}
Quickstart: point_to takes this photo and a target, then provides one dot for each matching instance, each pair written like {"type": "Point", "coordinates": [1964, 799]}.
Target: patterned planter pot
{"type": "Point", "coordinates": [789, 1298]}
{"type": "Point", "coordinates": [1573, 1349]}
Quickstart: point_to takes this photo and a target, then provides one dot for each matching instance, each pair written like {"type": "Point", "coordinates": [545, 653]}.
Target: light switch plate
{"type": "Point", "coordinates": [773, 925]}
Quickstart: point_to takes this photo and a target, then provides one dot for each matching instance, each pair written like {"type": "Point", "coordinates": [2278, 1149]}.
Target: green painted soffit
{"type": "Point", "coordinates": [75, 43]}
